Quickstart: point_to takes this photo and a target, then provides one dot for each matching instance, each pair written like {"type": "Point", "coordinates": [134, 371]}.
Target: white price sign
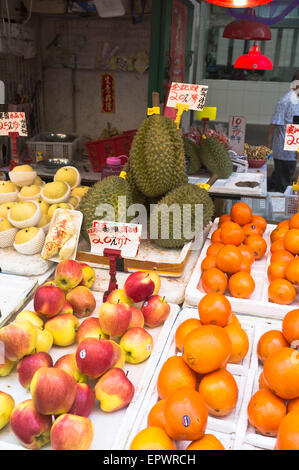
{"type": "Point", "coordinates": [115, 236]}
{"type": "Point", "coordinates": [12, 121]}
{"type": "Point", "coordinates": [188, 94]}
{"type": "Point", "coordinates": [236, 133]}
{"type": "Point", "coordinates": [291, 141]}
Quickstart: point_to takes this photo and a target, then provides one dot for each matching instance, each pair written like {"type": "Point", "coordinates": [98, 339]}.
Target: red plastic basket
{"type": "Point", "coordinates": [99, 150]}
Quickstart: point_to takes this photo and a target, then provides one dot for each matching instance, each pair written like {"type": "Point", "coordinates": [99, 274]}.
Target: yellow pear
{"type": "Point", "coordinates": [26, 234]}
{"type": "Point", "coordinates": [53, 207]}
{"type": "Point", "coordinates": [23, 211]}
{"type": "Point", "coordinates": [55, 190]}
{"type": "Point", "coordinates": [44, 206]}
{"type": "Point", "coordinates": [5, 207]}
{"type": "Point", "coordinates": [30, 316]}
{"type": "Point", "coordinates": [68, 174]}
{"type": "Point", "coordinates": [74, 200]}
{"type": "Point", "coordinates": [22, 168]}
{"type": "Point", "coordinates": [5, 224]}
{"type": "Point", "coordinates": [80, 191]}
{"type": "Point", "coordinates": [32, 191]}
{"type": "Point", "coordinates": [7, 187]}
{"type": "Point", "coordinates": [44, 220]}
{"type": "Point", "coordinates": [44, 340]}
{"type": "Point", "coordinates": [38, 181]}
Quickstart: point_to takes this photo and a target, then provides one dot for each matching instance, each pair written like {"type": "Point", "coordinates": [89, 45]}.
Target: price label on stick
{"type": "Point", "coordinates": [291, 141]}
{"type": "Point", "coordinates": [236, 133]}
{"type": "Point", "coordinates": [115, 235]}
{"type": "Point", "coordinates": [194, 96]}
{"type": "Point", "coordinates": [13, 122]}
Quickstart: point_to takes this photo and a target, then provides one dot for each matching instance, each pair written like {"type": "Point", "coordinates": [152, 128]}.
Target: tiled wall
{"type": "Point", "coordinates": [254, 100]}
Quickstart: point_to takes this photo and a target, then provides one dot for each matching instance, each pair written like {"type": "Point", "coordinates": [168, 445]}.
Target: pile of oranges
{"type": "Point", "coordinates": [236, 244]}
{"type": "Point", "coordinates": [196, 383]}
{"type": "Point", "coordinates": [274, 409]}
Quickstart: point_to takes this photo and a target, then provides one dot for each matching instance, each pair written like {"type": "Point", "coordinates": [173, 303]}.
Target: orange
{"type": "Point", "coordinates": [265, 412]}
{"type": "Point", "coordinates": [240, 343]}
{"type": "Point", "coordinates": [291, 241]}
{"type": "Point", "coordinates": [207, 348]}
{"type": "Point", "coordinates": [186, 415]}
{"type": "Point", "coordinates": [184, 329]}
{"type": "Point", "coordinates": [241, 213]}
{"type": "Point", "coordinates": [282, 255]}
{"type": "Point", "coordinates": [175, 374]}
{"type": "Point", "coordinates": [293, 404]}
{"type": "Point", "coordinates": [290, 327]}
{"type": "Point", "coordinates": [278, 245]}
{"type": "Point", "coordinates": [251, 229]}
{"type": "Point", "coordinates": [214, 309]}
{"type": "Point", "coordinates": [292, 271]}
{"type": "Point", "coordinates": [224, 218]}
{"type": "Point", "coordinates": [232, 234]}
{"type": "Point", "coordinates": [208, 262]}
{"type": "Point", "coordinates": [220, 392]}
{"type": "Point", "coordinates": [258, 245]}
{"type": "Point", "coordinates": [277, 270]}
{"type": "Point", "coordinates": [233, 320]}
{"type": "Point", "coordinates": [247, 253]}
{"type": "Point", "coordinates": [270, 342]}
{"type": "Point", "coordinates": [214, 249]}
{"type": "Point", "coordinates": [281, 291]}
{"type": "Point", "coordinates": [207, 442]}
{"type": "Point", "coordinates": [260, 222]}
{"type": "Point", "coordinates": [281, 373]}
{"type": "Point", "coordinates": [241, 285]}
{"type": "Point", "coordinates": [214, 280]}
{"type": "Point", "coordinates": [216, 236]}
{"type": "Point", "coordinates": [262, 383]}
{"type": "Point", "coordinates": [288, 432]}
{"type": "Point", "coordinates": [245, 266]}
{"type": "Point", "coordinates": [284, 223]}
{"type": "Point", "coordinates": [278, 233]}
{"type": "Point", "coordinates": [156, 415]}
{"type": "Point", "coordinates": [229, 259]}
{"type": "Point", "coordinates": [152, 438]}
{"type": "Point", "coordinates": [294, 221]}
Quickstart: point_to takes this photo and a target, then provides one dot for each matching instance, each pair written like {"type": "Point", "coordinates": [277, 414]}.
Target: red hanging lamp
{"type": "Point", "coordinates": [254, 60]}
{"type": "Point", "coordinates": [247, 29]}
{"type": "Point", "coordinates": [239, 3]}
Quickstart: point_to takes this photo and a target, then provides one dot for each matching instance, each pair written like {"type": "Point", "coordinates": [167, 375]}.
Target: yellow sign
{"type": "Point", "coordinates": [181, 108]}
{"type": "Point", "coordinates": [205, 186]}
{"type": "Point", "coordinates": [208, 112]}
{"type": "Point", "coordinates": [151, 111]}
{"type": "Point", "coordinates": [123, 175]}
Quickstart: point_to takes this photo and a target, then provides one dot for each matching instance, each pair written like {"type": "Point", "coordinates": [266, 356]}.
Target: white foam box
{"type": "Point", "coordinates": [258, 304]}
{"type": "Point", "coordinates": [109, 428]}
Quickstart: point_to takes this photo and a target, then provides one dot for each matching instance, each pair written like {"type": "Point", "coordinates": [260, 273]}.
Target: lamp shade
{"type": "Point", "coordinates": [248, 30]}
{"type": "Point", "coordinates": [254, 60]}
{"type": "Point", "coordinates": [238, 3]}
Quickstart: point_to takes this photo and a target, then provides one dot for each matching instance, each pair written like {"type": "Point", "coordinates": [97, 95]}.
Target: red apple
{"type": "Point", "coordinates": [88, 275]}
{"type": "Point", "coordinates": [67, 309]}
{"type": "Point", "coordinates": [94, 357]}
{"type": "Point", "coordinates": [27, 367]}
{"type": "Point", "coordinates": [114, 390]}
{"type": "Point", "coordinates": [29, 426]}
{"type": "Point", "coordinates": [119, 357]}
{"type": "Point", "coordinates": [71, 432]}
{"type": "Point", "coordinates": [53, 391]}
{"type": "Point", "coordinates": [157, 281]}
{"type": "Point", "coordinates": [68, 274]}
{"type": "Point", "coordinates": [155, 311]}
{"type": "Point", "coordinates": [90, 328]}
{"type": "Point", "coordinates": [118, 296]}
{"type": "Point", "coordinates": [139, 286]}
{"type": "Point", "coordinates": [82, 300]}
{"type": "Point", "coordinates": [18, 339]}
{"type": "Point", "coordinates": [137, 318]}
{"type": "Point", "coordinates": [114, 318]}
{"type": "Point", "coordinates": [84, 401]}
{"type": "Point", "coordinates": [48, 301]}
{"type": "Point", "coordinates": [68, 364]}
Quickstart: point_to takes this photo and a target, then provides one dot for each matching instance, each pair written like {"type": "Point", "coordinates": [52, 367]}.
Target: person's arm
{"type": "Point", "coordinates": [270, 135]}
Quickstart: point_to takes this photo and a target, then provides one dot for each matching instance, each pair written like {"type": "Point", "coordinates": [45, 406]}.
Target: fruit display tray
{"type": "Point", "coordinates": [109, 428]}
{"type": "Point", "coordinates": [258, 304]}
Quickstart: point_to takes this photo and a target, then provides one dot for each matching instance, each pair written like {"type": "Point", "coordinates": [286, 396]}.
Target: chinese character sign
{"type": "Point", "coordinates": [13, 122]}
{"type": "Point", "coordinates": [292, 138]}
{"type": "Point", "coordinates": [115, 235]}
{"type": "Point", "coordinates": [108, 93]}
{"type": "Point", "coordinates": [193, 96]}
{"type": "Point", "coordinates": [236, 133]}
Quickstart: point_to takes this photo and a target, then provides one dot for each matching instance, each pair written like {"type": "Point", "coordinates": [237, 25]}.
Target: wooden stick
{"type": "Point", "coordinates": [155, 99]}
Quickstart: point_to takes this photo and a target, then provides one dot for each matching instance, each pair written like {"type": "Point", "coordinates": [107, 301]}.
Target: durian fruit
{"type": "Point", "coordinates": [186, 194]}
{"type": "Point", "coordinates": [193, 162]}
{"type": "Point", "coordinates": [157, 157]}
{"type": "Point", "coordinates": [106, 191]}
{"type": "Point", "coordinates": [215, 157]}
{"type": "Point", "coordinates": [137, 196]}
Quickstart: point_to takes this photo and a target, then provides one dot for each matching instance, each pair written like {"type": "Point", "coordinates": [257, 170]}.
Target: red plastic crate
{"type": "Point", "coordinates": [99, 150]}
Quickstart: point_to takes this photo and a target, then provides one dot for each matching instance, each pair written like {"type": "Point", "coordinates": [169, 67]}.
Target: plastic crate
{"type": "Point", "coordinates": [99, 150]}
{"type": "Point", "coordinates": [52, 150]}
{"type": "Point", "coordinates": [292, 201]}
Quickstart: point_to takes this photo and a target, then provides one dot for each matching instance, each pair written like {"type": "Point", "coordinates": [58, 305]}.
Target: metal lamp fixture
{"type": "Point", "coordinates": [254, 60]}
{"type": "Point", "coordinates": [248, 29]}
{"type": "Point", "coordinates": [239, 3]}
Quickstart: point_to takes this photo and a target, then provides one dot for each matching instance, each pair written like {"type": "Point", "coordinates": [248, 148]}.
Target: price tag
{"type": "Point", "coordinates": [208, 112]}
{"type": "Point", "coordinates": [192, 95]}
{"type": "Point", "coordinates": [115, 235]}
{"type": "Point", "coordinates": [236, 133]}
{"type": "Point", "coordinates": [291, 141]}
{"type": "Point", "coordinates": [13, 122]}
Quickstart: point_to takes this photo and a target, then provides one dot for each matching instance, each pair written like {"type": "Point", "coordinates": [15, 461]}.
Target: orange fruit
{"type": "Point", "coordinates": [270, 342]}
{"type": "Point", "coordinates": [156, 415]}
{"type": "Point", "coordinates": [245, 266]}
{"type": "Point", "coordinates": [220, 392]}
{"type": "Point", "coordinates": [241, 213]}
{"type": "Point", "coordinates": [293, 404]}
{"type": "Point", "coordinates": [233, 320]}
{"type": "Point", "coordinates": [207, 442]}
{"type": "Point", "coordinates": [278, 233]}
{"type": "Point", "coordinates": [291, 241]}
{"type": "Point", "coordinates": [152, 438]}
{"type": "Point", "coordinates": [214, 249]}
{"type": "Point", "coordinates": [214, 309]}
{"type": "Point", "coordinates": [292, 271]}
{"type": "Point", "coordinates": [277, 270]}
{"type": "Point", "coordinates": [282, 255]}
{"type": "Point", "coordinates": [184, 329]}
{"type": "Point", "coordinates": [175, 374]}
{"type": "Point", "coordinates": [258, 245]}
{"type": "Point", "coordinates": [247, 253]}
{"type": "Point", "coordinates": [251, 229]}
{"type": "Point", "coordinates": [208, 262]}
{"type": "Point", "coordinates": [277, 246]}
{"type": "Point", "coordinates": [207, 348]}
{"type": "Point", "coordinates": [216, 236]}
{"type": "Point", "coordinates": [232, 234]}
{"type": "Point", "coordinates": [284, 223]}
{"type": "Point", "coordinates": [281, 373]}
{"type": "Point", "coordinates": [290, 327]}
{"type": "Point", "coordinates": [281, 291]}
{"type": "Point", "coordinates": [229, 259]}
{"type": "Point", "coordinates": [265, 412]}
{"type": "Point", "coordinates": [294, 221]}
{"type": "Point", "coordinates": [262, 383]}
{"type": "Point", "coordinates": [214, 280]}
{"type": "Point", "coordinates": [241, 285]}
{"type": "Point", "coordinates": [224, 218]}
{"type": "Point", "coordinates": [240, 343]}
{"type": "Point", "coordinates": [259, 221]}
{"type": "Point", "coordinates": [288, 432]}
{"type": "Point", "coordinates": [185, 414]}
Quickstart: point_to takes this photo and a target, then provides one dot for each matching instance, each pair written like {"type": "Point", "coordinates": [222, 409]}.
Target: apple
{"type": "Point", "coordinates": [84, 401]}
{"type": "Point", "coordinates": [114, 390]}
{"type": "Point", "coordinates": [53, 390]}
{"type": "Point", "coordinates": [68, 274]}
{"type": "Point", "coordinates": [137, 318]}
{"type": "Point", "coordinates": [48, 301]}
{"type": "Point", "coordinates": [139, 286]}
{"type": "Point", "coordinates": [68, 364]}
{"type": "Point", "coordinates": [88, 275]}
{"type": "Point", "coordinates": [44, 340]}
{"type": "Point", "coordinates": [119, 357]}
{"type": "Point", "coordinates": [63, 329]}
{"type": "Point", "coordinates": [155, 311]}
{"type": "Point", "coordinates": [32, 317]}
{"type": "Point", "coordinates": [90, 328]}
{"type": "Point", "coordinates": [137, 344]}
{"type": "Point", "coordinates": [71, 432]}
{"type": "Point", "coordinates": [29, 426]}
{"type": "Point", "coordinates": [67, 308]}
{"type": "Point", "coordinates": [51, 282]}
{"type": "Point", "coordinates": [19, 339]}
{"type": "Point", "coordinates": [7, 404]}
{"type": "Point", "coordinates": [27, 367]}
{"type": "Point", "coordinates": [94, 357]}
{"type": "Point", "coordinates": [118, 296]}
{"type": "Point", "coordinates": [157, 281]}
{"type": "Point", "coordinates": [6, 367]}
{"type": "Point", "coordinates": [82, 300]}
{"type": "Point", "coordinates": [114, 318]}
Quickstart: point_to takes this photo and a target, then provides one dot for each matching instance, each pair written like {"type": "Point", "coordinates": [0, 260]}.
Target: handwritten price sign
{"type": "Point", "coordinates": [236, 133]}
{"type": "Point", "coordinates": [292, 138]}
{"type": "Point", "coordinates": [115, 235]}
{"type": "Point", "coordinates": [13, 122]}
{"type": "Point", "coordinates": [193, 96]}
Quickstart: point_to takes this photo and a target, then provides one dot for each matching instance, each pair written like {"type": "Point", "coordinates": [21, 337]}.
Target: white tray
{"type": "Point", "coordinates": [109, 428]}
{"type": "Point", "coordinates": [258, 304]}
{"type": "Point", "coordinates": [14, 293]}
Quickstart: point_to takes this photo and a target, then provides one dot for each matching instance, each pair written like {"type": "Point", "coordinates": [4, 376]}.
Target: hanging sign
{"type": "Point", "coordinates": [208, 112]}
{"type": "Point", "coordinates": [236, 133]}
{"type": "Point", "coordinates": [115, 235]}
{"type": "Point", "coordinates": [291, 141]}
{"type": "Point", "coordinates": [13, 122]}
{"type": "Point", "coordinates": [193, 96]}
{"type": "Point", "coordinates": [108, 93]}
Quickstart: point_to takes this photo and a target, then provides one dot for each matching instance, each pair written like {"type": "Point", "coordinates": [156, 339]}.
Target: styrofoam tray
{"type": "Point", "coordinates": [257, 304]}
{"type": "Point", "coordinates": [14, 293]}
{"type": "Point", "coordinates": [109, 428]}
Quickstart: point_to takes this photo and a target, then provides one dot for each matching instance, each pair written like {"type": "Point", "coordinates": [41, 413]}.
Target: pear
{"type": "Point", "coordinates": [74, 201]}
{"type": "Point", "coordinates": [22, 211]}
{"type": "Point", "coordinates": [44, 220]}
{"type": "Point", "coordinates": [29, 240]}
{"type": "Point", "coordinates": [7, 187]}
{"type": "Point", "coordinates": [56, 191]}
{"type": "Point", "coordinates": [44, 206]}
{"type": "Point", "coordinates": [5, 207]}
{"type": "Point", "coordinates": [22, 168]}
{"type": "Point", "coordinates": [68, 174]}
{"type": "Point", "coordinates": [29, 192]}
{"type": "Point", "coordinates": [80, 191]}
{"type": "Point", "coordinates": [53, 208]}
{"type": "Point", "coordinates": [5, 224]}
{"type": "Point", "coordinates": [25, 235]}
{"type": "Point", "coordinates": [7, 233]}
{"type": "Point", "coordinates": [38, 181]}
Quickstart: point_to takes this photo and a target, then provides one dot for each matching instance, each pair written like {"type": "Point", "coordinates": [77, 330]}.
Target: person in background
{"type": "Point", "coordinates": [284, 161]}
